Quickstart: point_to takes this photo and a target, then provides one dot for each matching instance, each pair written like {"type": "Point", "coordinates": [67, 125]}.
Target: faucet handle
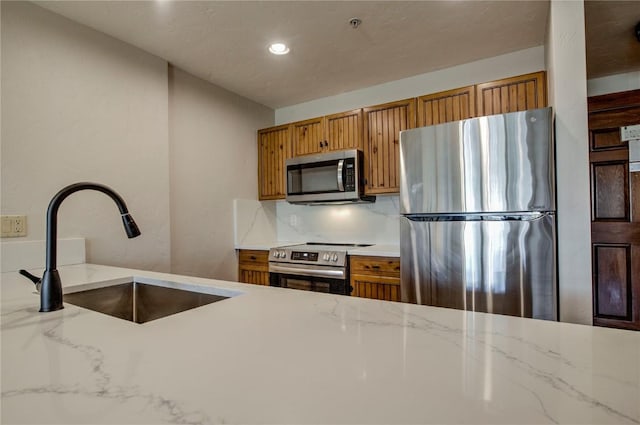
{"type": "Point", "coordinates": [35, 279]}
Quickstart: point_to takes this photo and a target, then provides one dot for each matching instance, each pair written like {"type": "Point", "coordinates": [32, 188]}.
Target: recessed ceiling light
{"type": "Point", "coordinates": [279, 49]}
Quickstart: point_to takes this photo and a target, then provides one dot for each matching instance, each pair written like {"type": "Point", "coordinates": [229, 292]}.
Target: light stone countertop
{"type": "Point", "coordinates": [274, 355]}
{"type": "Point", "coordinates": [376, 250]}
{"type": "Point", "coordinates": [260, 246]}
{"type": "Point", "coordinates": [265, 246]}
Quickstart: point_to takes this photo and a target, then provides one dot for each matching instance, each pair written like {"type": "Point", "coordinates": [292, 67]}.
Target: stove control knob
{"type": "Point", "coordinates": [334, 257]}
{"type": "Point", "coordinates": [276, 254]}
{"type": "Point", "coordinates": [283, 254]}
{"type": "Point", "coordinates": [325, 256]}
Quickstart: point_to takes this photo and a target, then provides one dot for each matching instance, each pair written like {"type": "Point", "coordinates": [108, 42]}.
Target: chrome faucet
{"type": "Point", "coordinates": [51, 287]}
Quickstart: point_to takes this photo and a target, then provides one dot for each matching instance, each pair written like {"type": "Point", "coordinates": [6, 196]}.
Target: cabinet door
{"type": "Point", "coordinates": [343, 130]}
{"type": "Point", "coordinates": [273, 149]}
{"type": "Point", "coordinates": [382, 126]}
{"type": "Point", "coordinates": [375, 277]}
{"type": "Point", "coordinates": [447, 106]}
{"type": "Point", "coordinates": [307, 136]}
{"type": "Point", "coordinates": [514, 94]}
{"type": "Point", "coordinates": [253, 276]}
{"type": "Point", "coordinates": [253, 267]}
{"type": "Point", "coordinates": [615, 212]}
{"type": "Point", "coordinates": [376, 287]}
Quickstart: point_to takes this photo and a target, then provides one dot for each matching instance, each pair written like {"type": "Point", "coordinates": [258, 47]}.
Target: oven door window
{"type": "Point", "coordinates": [308, 283]}
{"type": "Point", "coordinates": [305, 285]}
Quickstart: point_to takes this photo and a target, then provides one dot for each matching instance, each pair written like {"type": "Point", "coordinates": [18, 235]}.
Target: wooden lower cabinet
{"type": "Point", "coordinates": [375, 277]}
{"type": "Point", "coordinates": [253, 267]}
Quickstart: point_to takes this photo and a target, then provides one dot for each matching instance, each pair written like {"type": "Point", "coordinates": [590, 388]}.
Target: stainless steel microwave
{"type": "Point", "coordinates": [332, 177]}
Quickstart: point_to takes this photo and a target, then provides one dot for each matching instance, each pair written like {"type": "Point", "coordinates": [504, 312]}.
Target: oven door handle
{"type": "Point", "coordinates": [331, 273]}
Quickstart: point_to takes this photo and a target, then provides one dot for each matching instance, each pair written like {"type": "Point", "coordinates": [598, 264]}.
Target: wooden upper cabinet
{"type": "Point", "coordinates": [446, 106]}
{"type": "Point", "coordinates": [329, 133]}
{"type": "Point", "coordinates": [382, 126]}
{"type": "Point", "coordinates": [343, 130]}
{"type": "Point", "coordinates": [375, 130]}
{"type": "Point", "coordinates": [274, 147]}
{"type": "Point", "coordinates": [307, 136]}
{"type": "Point", "coordinates": [519, 93]}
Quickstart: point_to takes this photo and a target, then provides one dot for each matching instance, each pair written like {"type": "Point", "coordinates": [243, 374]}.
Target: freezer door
{"type": "Point", "coordinates": [499, 163]}
{"type": "Point", "coordinates": [502, 266]}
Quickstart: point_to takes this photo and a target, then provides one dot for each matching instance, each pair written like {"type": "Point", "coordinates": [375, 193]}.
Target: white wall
{"type": "Point", "coordinates": [80, 106]}
{"type": "Point", "coordinates": [213, 159]}
{"type": "Point", "coordinates": [613, 83]}
{"type": "Point", "coordinates": [268, 223]}
{"type": "Point", "coordinates": [495, 68]}
{"type": "Point", "coordinates": [566, 66]}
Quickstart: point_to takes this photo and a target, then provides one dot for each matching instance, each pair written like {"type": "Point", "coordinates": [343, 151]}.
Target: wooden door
{"type": "Point", "coordinates": [253, 267]}
{"type": "Point", "coordinates": [615, 212]}
{"type": "Point", "coordinates": [308, 136]}
{"type": "Point", "coordinates": [381, 128]}
{"type": "Point", "coordinates": [343, 130]}
{"type": "Point", "coordinates": [447, 106]}
{"type": "Point", "coordinates": [274, 147]}
{"type": "Point", "coordinates": [513, 94]}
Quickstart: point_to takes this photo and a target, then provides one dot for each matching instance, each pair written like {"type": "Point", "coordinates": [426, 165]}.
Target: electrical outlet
{"type": "Point", "coordinates": [14, 226]}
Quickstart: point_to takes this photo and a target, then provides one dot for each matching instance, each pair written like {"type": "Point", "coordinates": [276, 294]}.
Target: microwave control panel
{"type": "Point", "coordinates": [349, 175]}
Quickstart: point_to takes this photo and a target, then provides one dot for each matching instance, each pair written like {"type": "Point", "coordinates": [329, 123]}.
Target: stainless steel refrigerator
{"type": "Point", "coordinates": [478, 224]}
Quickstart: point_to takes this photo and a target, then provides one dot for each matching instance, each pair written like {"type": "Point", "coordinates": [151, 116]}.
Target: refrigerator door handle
{"type": "Point", "coordinates": [529, 216]}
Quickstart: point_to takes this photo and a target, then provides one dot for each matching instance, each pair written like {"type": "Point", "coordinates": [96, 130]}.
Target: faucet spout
{"type": "Point", "coordinates": [51, 290]}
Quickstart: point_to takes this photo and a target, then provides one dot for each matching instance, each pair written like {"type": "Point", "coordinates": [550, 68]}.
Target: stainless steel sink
{"type": "Point", "coordinates": [140, 302]}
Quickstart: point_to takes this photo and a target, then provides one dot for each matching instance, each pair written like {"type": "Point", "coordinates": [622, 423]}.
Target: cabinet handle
{"type": "Point", "coordinates": [375, 267]}
{"type": "Point", "coordinates": [253, 257]}
{"type": "Point", "coordinates": [326, 143]}
{"type": "Point", "coordinates": [321, 143]}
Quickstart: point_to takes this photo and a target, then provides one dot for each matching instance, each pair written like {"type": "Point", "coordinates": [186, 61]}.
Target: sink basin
{"type": "Point", "coordinates": [140, 302]}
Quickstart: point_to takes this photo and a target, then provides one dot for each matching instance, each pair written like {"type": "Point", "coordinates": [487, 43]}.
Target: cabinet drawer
{"type": "Point", "coordinates": [253, 258]}
{"type": "Point", "coordinates": [388, 266]}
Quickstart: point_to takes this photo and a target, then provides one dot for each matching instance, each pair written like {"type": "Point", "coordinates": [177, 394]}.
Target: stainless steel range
{"type": "Point", "coordinates": [318, 267]}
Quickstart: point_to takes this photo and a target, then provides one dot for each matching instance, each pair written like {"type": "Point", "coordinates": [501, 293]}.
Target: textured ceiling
{"type": "Point", "coordinates": [225, 42]}
{"type": "Point", "coordinates": [612, 47]}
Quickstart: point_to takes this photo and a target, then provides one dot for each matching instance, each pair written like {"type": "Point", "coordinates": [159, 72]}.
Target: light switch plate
{"type": "Point", "coordinates": [14, 226]}
{"type": "Point", "coordinates": [630, 132]}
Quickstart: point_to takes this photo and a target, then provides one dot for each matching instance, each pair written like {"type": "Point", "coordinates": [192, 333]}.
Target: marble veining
{"type": "Point", "coordinates": [283, 356]}
{"type": "Point", "coordinates": [254, 222]}
{"type": "Point", "coordinates": [456, 337]}
{"type": "Point", "coordinates": [258, 222]}
{"type": "Point", "coordinates": [101, 386]}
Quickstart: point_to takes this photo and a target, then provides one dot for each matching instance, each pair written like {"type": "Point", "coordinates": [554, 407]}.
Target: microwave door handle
{"type": "Point", "coordinates": [340, 179]}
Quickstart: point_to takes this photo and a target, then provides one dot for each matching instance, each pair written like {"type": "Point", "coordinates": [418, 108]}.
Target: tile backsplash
{"type": "Point", "coordinates": [278, 221]}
